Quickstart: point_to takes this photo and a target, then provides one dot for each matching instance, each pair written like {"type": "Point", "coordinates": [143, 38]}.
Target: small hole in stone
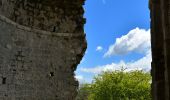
{"type": "Point", "coordinates": [54, 28]}
{"type": "Point", "coordinates": [3, 80]}
{"type": "Point", "coordinates": [51, 74]}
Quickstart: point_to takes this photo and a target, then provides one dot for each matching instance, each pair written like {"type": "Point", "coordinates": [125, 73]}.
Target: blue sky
{"type": "Point", "coordinates": [118, 34]}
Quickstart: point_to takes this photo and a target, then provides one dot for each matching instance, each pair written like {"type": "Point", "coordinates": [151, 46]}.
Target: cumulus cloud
{"type": "Point", "coordinates": [80, 78]}
{"type": "Point", "coordinates": [141, 64]}
{"type": "Point", "coordinates": [137, 40]}
{"type": "Point", "coordinates": [99, 48]}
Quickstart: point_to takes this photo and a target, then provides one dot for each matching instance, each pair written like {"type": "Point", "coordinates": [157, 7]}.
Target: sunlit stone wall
{"type": "Point", "coordinates": [41, 44]}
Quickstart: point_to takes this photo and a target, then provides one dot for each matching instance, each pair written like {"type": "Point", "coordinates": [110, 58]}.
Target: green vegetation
{"type": "Point", "coordinates": [117, 85]}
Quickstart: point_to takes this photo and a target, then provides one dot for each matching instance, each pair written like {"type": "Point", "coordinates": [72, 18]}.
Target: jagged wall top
{"type": "Point", "coordinates": [64, 16]}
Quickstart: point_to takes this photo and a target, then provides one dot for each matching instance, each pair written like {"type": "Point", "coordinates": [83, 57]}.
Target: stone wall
{"type": "Point", "coordinates": [64, 16]}
{"type": "Point", "coordinates": [41, 44]}
{"type": "Point", "coordinates": [160, 38]}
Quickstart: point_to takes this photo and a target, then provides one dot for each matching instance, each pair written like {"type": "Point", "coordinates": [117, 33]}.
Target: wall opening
{"type": "Point", "coordinates": [118, 35]}
{"type": "Point", "coordinates": [3, 80]}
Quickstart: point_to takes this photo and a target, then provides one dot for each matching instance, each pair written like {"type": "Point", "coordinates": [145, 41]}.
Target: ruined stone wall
{"type": "Point", "coordinates": [64, 16]}
{"type": "Point", "coordinates": [160, 34]}
{"type": "Point", "coordinates": [41, 43]}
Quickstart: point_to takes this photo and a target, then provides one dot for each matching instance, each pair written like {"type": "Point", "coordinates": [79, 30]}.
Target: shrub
{"type": "Point", "coordinates": [119, 85]}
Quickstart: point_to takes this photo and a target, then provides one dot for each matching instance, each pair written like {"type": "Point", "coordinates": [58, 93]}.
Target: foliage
{"type": "Point", "coordinates": [119, 85]}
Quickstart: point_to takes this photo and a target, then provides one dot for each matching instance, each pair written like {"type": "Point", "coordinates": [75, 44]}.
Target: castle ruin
{"type": "Point", "coordinates": [41, 44]}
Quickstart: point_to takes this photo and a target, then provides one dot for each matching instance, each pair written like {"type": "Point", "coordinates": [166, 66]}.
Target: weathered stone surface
{"type": "Point", "coordinates": [51, 15]}
{"type": "Point", "coordinates": [41, 43]}
{"type": "Point", "coordinates": [160, 34]}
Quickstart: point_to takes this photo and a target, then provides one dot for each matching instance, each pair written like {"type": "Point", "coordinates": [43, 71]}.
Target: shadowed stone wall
{"type": "Point", "coordinates": [160, 38]}
{"type": "Point", "coordinates": [41, 44]}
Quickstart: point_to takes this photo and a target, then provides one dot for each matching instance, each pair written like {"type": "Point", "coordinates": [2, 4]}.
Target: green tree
{"type": "Point", "coordinates": [120, 85]}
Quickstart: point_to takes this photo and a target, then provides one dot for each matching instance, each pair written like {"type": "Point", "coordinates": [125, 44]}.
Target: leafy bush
{"type": "Point", "coordinates": [118, 85]}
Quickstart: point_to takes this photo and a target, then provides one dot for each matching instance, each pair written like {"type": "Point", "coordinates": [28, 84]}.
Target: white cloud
{"type": "Point", "coordinates": [99, 48]}
{"type": "Point", "coordinates": [79, 78]}
{"type": "Point", "coordinates": [137, 40]}
{"type": "Point", "coordinates": [143, 63]}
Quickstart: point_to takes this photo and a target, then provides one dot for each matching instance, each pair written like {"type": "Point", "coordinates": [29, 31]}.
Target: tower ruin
{"type": "Point", "coordinates": [41, 44]}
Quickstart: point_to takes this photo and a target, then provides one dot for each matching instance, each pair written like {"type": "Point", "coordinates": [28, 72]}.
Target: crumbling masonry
{"type": "Point", "coordinates": [160, 38]}
{"type": "Point", "coordinates": [41, 43]}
